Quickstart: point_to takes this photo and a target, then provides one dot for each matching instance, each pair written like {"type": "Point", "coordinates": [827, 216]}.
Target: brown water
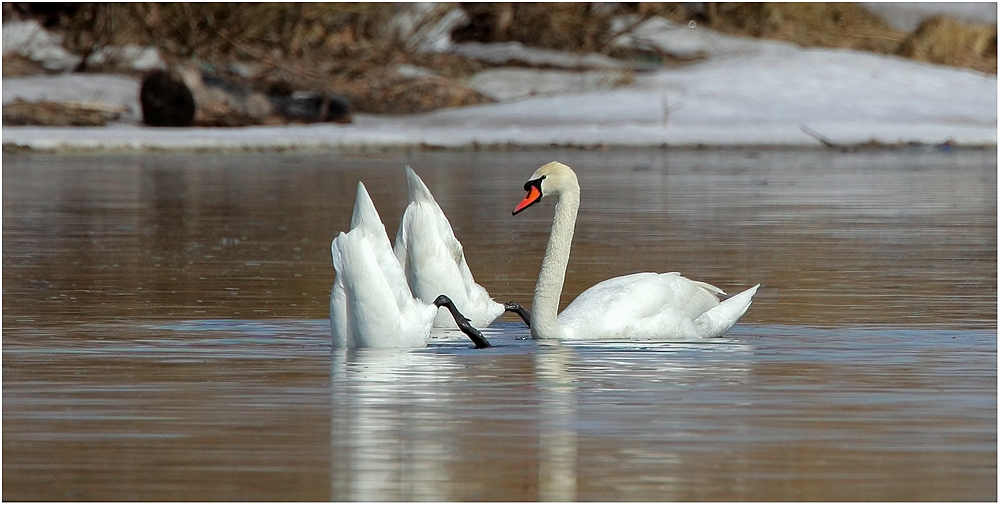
{"type": "Point", "coordinates": [164, 332]}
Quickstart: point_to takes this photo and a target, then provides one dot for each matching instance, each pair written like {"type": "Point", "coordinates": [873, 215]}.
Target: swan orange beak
{"type": "Point", "coordinates": [533, 196]}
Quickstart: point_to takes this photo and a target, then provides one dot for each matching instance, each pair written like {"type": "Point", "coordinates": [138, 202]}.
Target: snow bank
{"type": "Point", "coordinates": [750, 93]}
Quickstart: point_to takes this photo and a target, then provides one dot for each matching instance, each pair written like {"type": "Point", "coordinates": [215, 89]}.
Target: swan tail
{"type": "Point", "coordinates": [416, 189]}
{"type": "Point", "coordinates": [365, 215]}
{"type": "Point", "coordinates": [719, 319]}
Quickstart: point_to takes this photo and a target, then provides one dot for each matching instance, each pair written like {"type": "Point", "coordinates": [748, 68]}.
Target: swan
{"type": "Point", "coordinates": [370, 303]}
{"type": "Point", "coordinates": [639, 306]}
{"type": "Point", "coordinates": [434, 261]}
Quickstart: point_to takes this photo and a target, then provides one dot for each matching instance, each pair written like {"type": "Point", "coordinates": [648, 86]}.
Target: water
{"type": "Point", "coordinates": [164, 334]}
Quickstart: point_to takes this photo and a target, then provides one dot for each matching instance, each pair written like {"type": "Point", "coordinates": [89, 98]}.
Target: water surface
{"type": "Point", "coordinates": [164, 332]}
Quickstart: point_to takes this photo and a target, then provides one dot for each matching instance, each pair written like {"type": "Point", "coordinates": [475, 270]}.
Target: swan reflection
{"type": "Point", "coordinates": [388, 425]}
{"type": "Point", "coordinates": [450, 423]}
{"type": "Point", "coordinates": [557, 426]}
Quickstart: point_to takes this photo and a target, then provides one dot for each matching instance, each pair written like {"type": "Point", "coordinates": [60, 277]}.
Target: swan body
{"type": "Point", "coordinates": [434, 262]}
{"type": "Point", "coordinates": [370, 303]}
{"type": "Point", "coordinates": [640, 306]}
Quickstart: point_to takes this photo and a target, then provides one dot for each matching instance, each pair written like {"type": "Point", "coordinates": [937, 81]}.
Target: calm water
{"type": "Point", "coordinates": [164, 332]}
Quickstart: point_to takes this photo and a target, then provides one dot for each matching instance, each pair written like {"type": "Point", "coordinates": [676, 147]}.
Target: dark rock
{"type": "Point", "coordinates": [166, 100]}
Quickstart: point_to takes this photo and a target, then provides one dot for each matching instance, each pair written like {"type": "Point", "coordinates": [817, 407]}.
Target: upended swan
{"type": "Point", "coordinates": [640, 306]}
{"type": "Point", "coordinates": [370, 303]}
{"type": "Point", "coordinates": [434, 261]}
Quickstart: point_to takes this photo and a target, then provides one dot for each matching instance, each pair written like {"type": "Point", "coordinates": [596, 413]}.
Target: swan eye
{"type": "Point", "coordinates": [534, 189]}
{"type": "Point", "coordinates": [534, 182]}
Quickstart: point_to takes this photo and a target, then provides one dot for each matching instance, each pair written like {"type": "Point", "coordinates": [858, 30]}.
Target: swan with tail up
{"type": "Point", "coordinates": [434, 261]}
{"type": "Point", "coordinates": [370, 303]}
{"type": "Point", "coordinates": [640, 306]}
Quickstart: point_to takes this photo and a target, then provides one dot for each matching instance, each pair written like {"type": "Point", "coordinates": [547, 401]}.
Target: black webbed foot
{"type": "Point", "coordinates": [463, 322]}
{"type": "Point", "coordinates": [519, 310]}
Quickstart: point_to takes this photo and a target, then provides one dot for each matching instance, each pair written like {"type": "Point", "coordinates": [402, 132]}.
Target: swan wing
{"type": "Point", "coordinates": [640, 306]}
{"type": "Point", "coordinates": [366, 218]}
{"type": "Point", "coordinates": [434, 260]}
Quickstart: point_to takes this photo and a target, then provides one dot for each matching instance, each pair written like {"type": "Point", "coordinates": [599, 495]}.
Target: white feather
{"type": "Point", "coordinates": [434, 261]}
{"type": "Point", "coordinates": [370, 303]}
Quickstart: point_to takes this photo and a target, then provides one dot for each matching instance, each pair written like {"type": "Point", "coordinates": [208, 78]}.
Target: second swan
{"type": "Point", "coordinates": [640, 306]}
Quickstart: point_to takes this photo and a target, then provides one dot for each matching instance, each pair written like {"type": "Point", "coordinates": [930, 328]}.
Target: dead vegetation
{"type": "Point", "coordinates": [821, 24]}
{"type": "Point", "coordinates": [322, 47]}
{"type": "Point", "coordinates": [946, 41]}
{"type": "Point", "coordinates": [20, 113]}
{"type": "Point", "coordinates": [353, 48]}
{"type": "Point", "coordinates": [576, 27]}
{"type": "Point", "coordinates": [583, 27]}
{"type": "Point", "coordinates": [940, 40]}
{"type": "Point", "coordinates": [16, 65]}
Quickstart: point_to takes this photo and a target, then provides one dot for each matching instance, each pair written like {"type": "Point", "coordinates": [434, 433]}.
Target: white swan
{"type": "Point", "coordinates": [641, 306]}
{"type": "Point", "coordinates": [434, 261]}
{"type": "Point", "coordinates": [370, 303]}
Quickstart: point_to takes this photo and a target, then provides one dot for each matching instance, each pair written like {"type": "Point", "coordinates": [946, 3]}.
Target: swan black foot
{"type": "Point", "coordinates": [519, 310]}
{"type": "Point", "coordinates": [463, 322]}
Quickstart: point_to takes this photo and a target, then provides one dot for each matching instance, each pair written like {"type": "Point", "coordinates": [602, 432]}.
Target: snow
{"type": "Point", "coordinates": [748, 93]}
{"type": "Point", "coordinates": [31, 40]}
{"type": "Point", "coordinates": [688, 41]}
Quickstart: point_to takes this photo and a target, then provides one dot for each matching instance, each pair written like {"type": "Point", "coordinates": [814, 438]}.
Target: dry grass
{"type": "Point", "coordinates": [583, 27]}
{"type": "Point", "coordinates": [321, 47]}
{"type": "Point", "coordinates": [210, 31]}
{"type": "Point", "coordinates": [20, 113]}
{"type": "Point", "coordinates": [346, 47]}
{"type": "Point", "coordinates": [942, 40]}
{"type": "Point", "coordinates": [840, 25]}
{"type": "Point", "coordinates": [945, 41]}
{"type": "Point", "coordinates": [15, 65]}
{"type": "Point", "coordinates": [576, 27]}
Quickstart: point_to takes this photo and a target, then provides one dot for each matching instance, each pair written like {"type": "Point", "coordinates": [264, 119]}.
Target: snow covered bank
{"type": "Point", "coordinates": [750, 93]}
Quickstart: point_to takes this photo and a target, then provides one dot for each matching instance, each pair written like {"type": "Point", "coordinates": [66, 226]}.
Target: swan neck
{"type": "Point", "coordinates": [545, 306]}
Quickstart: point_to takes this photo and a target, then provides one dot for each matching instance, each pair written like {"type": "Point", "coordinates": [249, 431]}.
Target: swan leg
{"type": "Point", "coordinates": [463, 322]}
{"type": "Point", "coordinates": [519, 310]}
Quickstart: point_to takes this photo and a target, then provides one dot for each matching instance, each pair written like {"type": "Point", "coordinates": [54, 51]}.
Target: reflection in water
{"type": "Point", "coordinates": [557, 426]}
{"type": "Point", "coordinates": [388, 425]}
{"type": "Point", "coordinates": [415, 424]}
{"type": "Point", "coordinates": [392, 424]}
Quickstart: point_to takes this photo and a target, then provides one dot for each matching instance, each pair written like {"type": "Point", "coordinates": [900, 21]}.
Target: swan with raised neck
{"type": "Point", "coordinates": [639, 306]}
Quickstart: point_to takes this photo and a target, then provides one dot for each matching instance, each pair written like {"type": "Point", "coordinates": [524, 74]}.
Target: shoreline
{"type": "Point", "coordinates": [750, 94]}
{"type": "Point", "coordinates": [22, 150]}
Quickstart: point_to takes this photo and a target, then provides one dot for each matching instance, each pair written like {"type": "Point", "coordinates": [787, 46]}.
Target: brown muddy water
{"type": "Point", "coordinates": [165, 333]}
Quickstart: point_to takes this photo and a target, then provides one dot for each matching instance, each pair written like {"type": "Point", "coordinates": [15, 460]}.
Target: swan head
{"type": "Point", "coordinates": [552, 179]}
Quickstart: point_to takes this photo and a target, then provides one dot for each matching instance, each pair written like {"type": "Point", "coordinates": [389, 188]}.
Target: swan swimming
{"type": "Point", "coordinates": [370, 303]}
{"type": "Point", "coordinates": [640, 306]}
{"type": "Point", "coordinates": [434, 261]}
